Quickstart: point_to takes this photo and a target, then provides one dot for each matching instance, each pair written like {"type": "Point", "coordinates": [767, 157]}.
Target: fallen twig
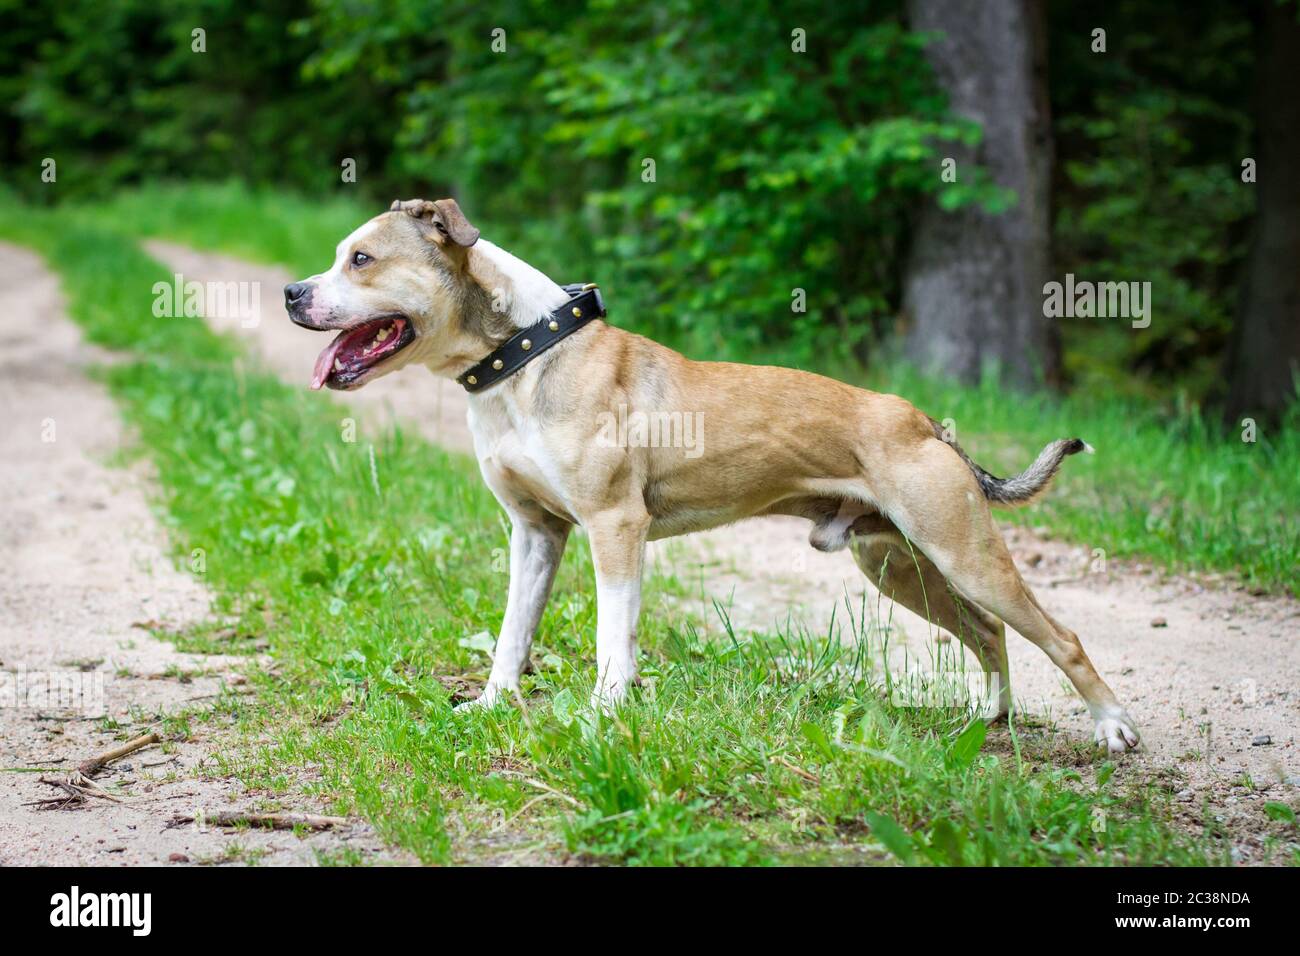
{"type": "Point", "coordinates": [71, 798]}
{"type": "Point", "coordinates": [273, 821]}
{"type": "Point", "coordinates": [63, 718]}
{"type": "Point", "coordinates": [95, 764]}
{"type": "Point", "coordinates": [542, 786]}
{"type": "Point", "coordinates": [77, 787]}
{"type": "Point", "coordinates": [793, 768]}
{"type": "Point", "coordinates": [506, 821]}
{"type": "Point", "coordinates": [224, 692]}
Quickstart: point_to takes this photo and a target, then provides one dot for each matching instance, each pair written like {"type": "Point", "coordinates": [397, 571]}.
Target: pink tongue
{"type": "Point", "coordinates": [325, 361]}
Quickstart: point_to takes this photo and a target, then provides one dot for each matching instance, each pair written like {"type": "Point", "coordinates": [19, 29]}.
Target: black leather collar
{"type": "Point", "coordinates": [521, 348]}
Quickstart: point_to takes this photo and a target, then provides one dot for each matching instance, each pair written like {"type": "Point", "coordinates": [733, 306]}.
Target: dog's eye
{"type": "Point", "coordinates": [360, 259]}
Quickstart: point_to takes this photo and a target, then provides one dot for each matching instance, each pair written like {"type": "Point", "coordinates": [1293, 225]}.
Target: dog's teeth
{"type": "Point", "coordinates": [338, 366]}
{"type": "Point", "coordinates": [384, 333]}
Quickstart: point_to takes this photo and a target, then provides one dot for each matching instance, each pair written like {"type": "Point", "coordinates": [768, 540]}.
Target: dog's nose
{"type": "Point", "coordinates": [295, 291]}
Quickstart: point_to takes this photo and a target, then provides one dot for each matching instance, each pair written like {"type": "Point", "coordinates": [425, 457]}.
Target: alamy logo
{"type": "Point", "coordinates": [103, 909]}
{"type": "Point", "coordinates": [54, 691]}
{"type": "Point", "coordinates": [1083, 299]}
{"type": "Point", "coordinates": [652, 430]}
{"type": "Point", "coordinates": [216, 300]}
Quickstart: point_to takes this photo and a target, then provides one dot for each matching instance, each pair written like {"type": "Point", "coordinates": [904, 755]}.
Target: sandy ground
{"type": "Point", "coordinates": [84, 568]}
{"type": "Point", "coordinates": [1208, 671]}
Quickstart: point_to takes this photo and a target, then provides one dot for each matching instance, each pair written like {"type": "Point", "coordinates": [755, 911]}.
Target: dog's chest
{"type": "Point", "coordinates": [516, 462]}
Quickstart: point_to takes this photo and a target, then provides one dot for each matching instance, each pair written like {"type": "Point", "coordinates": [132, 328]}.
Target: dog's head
{"type": "Point", "coordinates": [394, 292]}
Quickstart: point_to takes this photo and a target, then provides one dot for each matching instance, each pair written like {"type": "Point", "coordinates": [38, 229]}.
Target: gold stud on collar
{"type": "Point", "coordinates": [526, 344]}
{"type": "Point", "coordinates": [498, 365]}
{"type": "Point", "coordinates": [553, 326]}
{"type": "Point", "coordinates": [577, 313]}
{"type": "Point", "coordinates": [472, 380]}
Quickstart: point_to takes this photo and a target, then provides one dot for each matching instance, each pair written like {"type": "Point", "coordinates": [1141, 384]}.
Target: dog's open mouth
{"type": "Point", "coordinates": [356, 350]}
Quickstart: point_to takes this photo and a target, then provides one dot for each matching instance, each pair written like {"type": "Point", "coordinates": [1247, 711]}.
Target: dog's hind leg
{"type": "Point", "coordinates": [953, 525]}
{"type": "Point", "coordinates": [905, 575]}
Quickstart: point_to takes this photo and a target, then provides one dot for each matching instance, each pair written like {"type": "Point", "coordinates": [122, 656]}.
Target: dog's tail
{"type": "Point", "coordinates": [1025, 487]}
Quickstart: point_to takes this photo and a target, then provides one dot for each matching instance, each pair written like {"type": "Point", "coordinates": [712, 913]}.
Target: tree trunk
{"type": "Point", "coordinates": [1266, 346]}
{"type": "Point", "coordinates": [973, 289]}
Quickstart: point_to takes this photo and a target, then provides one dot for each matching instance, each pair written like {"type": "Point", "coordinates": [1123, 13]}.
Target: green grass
{"type": "Point", "coordinates": [368, 568]}
{"type": "Point", "coordinates": [1167, 483]}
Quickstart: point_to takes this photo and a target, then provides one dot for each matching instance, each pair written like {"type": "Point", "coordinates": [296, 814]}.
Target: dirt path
{"type": "Point", "coordinates": [84, 567]}
{"type": "Point", "coordinates": [1221, 673]}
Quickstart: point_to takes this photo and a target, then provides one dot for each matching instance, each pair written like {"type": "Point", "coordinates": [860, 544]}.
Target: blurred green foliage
{"type": "Point", "coordinates": [774, 170]}
{"type": "Point", "coordinates": [1150, 137]}
{"type": "Point", "coordinates": [116, 94]}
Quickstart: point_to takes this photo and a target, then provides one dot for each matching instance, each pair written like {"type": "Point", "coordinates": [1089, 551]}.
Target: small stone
{"type": "Point", "coordinates": [1186, 795]}
{"type": "Point", "coordinates": [178, 858]}
{"type": "Point", "coordinates": [1159, 622]}
{"type": "Point", "coordinates": [1263, 740]}
{"type": "Point", "coordinates": [1035, 559]}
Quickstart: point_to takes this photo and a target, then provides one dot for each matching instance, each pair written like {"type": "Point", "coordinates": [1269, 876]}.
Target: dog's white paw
{"type": "Point", "coordinates": [1116, 733]}
{"type": "Point", "coordinates": [491, 697]}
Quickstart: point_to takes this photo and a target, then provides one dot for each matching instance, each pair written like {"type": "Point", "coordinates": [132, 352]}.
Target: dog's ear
{"type": "Point", "coordinates": [450, 222]}
{"type": "Point", "coordinates": [443, 219]}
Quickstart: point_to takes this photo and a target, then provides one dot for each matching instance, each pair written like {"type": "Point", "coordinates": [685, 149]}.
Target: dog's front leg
{"type": "Point", "coordinates": [536, 547]}
{"type": "Point", "coordinates": [618, 551]}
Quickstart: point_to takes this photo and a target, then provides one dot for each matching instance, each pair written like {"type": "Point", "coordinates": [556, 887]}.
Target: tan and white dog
{"type": "Point", "coordinates": [871, 472]}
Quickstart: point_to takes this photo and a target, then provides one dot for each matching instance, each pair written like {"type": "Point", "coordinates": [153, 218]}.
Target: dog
{"type": "Point", "coordinates": [875, 476]}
